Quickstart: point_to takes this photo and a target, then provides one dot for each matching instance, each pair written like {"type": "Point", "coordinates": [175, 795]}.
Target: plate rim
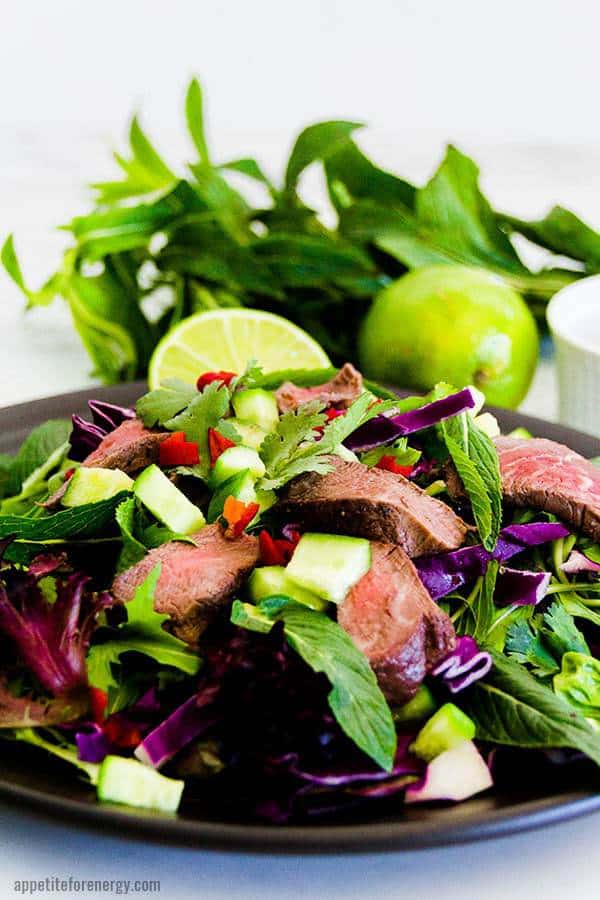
{"type": "Point", "coordinates": [380, 836]}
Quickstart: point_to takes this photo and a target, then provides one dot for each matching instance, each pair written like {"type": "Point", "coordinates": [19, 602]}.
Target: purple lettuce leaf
{"type": "Point", "coordinates": [27, 711]}
{"type": "Point", "coordinates": [51, 638]}
{"type": "Point", "coordinates": [382, 430]}
{"type": "Point", "coordinates": [442, 573]}
{"type": "Point", "coordinates": [86, 436]}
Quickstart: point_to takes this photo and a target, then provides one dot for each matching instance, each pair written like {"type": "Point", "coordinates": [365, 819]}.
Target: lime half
{"type": "Point", "coordinates": [227, 339]}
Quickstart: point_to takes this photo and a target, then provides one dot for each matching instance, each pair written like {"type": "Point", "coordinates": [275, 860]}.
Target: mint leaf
{"type": "Point", "coordinates": [80, 524]}
{"type": "Point", "coordinates": [355, 698]}
{"type": "Point", "coordinates": [483, 608]}
{"type": "Point", "coordinates": [37, 455]}
{"type": "Point", "coordinates": [510, 706]}
{"type": "Point", "coordinates": [316, 142]}
{"type": "Point", "coordinates": [194, 115]}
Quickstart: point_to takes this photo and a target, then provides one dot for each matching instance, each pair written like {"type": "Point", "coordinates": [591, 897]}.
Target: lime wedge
{"type": "Point", "coordinates": [227, 339]}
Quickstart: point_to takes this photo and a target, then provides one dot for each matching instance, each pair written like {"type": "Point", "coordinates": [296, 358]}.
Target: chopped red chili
{"type": "Point", "coordinates": [98, 704]}
{"type": "Point", "coordinates": [176, 451]}
{"type": "Point", "coordinates": [209, 377]}
{"type": "Point", "coordinates": [276, 551]}
{"type": "Point", "coordinates": [238, 515]}
{"type": "Point", "coordinates": [217, 444]}
{"type": "Point", "coordinates": [390, 465]}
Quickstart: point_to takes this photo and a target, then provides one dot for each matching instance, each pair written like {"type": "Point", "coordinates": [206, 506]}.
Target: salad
{"type": "Point", "coordinates": [286, 595]}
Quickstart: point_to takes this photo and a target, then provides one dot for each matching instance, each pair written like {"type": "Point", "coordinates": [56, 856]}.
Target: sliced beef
{"type": "Point", "coordinates": [390, 617]}
{"type": "Point", "coordinates": [195, 582]}
{"type": "Point", "coordinates": [130, 447]}
{"type": "Point", "coordinates": [374, 504]}
{"type": "Point", "coordinates": [343, 388]}
{"type": "Point", "coordinates": [549, 476]}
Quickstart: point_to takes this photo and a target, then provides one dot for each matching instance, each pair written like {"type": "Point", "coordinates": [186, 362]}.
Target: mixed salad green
{"type": "Point", "coordinates": [273, 711]}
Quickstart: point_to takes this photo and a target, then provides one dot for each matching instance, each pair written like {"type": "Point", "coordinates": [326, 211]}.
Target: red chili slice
{"type": "Point", "coordinates": [209, 377]}
{"type": "Point", "coordinates": [217, 444]}
{"type": "Point", "coordinates": [98, 704]}
{"type": "Point", "coordinates": [390, 465]}
{"type": "Point", "coordinates": [176, 451]}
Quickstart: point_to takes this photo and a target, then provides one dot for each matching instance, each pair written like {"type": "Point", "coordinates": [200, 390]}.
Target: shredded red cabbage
{"type": "Point", "coordinates": [383, 430]}
{"type": "Point", "coordinates": [445, 572]}
{"type": "Point", "coordinates": [187, 722]}
{"type": "Point", "coordinates": [518, 587]}
{"type": "Point", "coordinates": [86, 436]}
{"type": "Point", "coordinates": [465, 665]}
{"type": "Point", "coordinates": [579, 562]}
{"type": "Point", "coordinates": [92, 743]}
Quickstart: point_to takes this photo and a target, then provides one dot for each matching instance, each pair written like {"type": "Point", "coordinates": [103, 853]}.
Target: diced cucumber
{"type": "Point", "coordinates": [166, 502]}
{"type": "Point", "coordinates": [446, 728]}
{"type": "Point", "coordinates": [240, 486]}
{"type": "Point", "coordinates": [421, 706]}
{"type": "Point", "coordinates": [257, 406]}
{"type": "Point", "coordinates": [346, 454]}
{"type": "Point", "coordinates": [265, 500]}
{"type": "Point", "coordinates": [329, 564]}
{"type": "Point", "coordinates": [88, 485]}
{"type": "Point", "coordinates": [234, 460]}
{"type": "Point", "coordinates": [268, 581]}
{"type": "Point", "coordinates": [122, 780]}
{"type": "Point", "coordinates": [251, 435]}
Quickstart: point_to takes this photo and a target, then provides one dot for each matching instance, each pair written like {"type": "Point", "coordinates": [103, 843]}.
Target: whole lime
{"type": "Point", "coordinates": [455, 324]}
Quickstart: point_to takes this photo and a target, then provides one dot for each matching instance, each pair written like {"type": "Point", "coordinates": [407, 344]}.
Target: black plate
{"type": "Point", "coordinates": [529, 799]}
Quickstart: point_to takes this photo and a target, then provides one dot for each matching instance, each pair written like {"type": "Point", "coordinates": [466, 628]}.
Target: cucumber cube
{"type": "Point", "coordinates": [251, 435]}
{"type": "Point", "coordinates": [446, 728]}
{"type": "Point", "coordinates": [269, 581]}
{"type": "Point", "coordinates": [329, 564]}
{"type": "Point", "coordinates": [122, 780]}
{"type": "Point", "coordinates": [421, 706]}
{"type": "Point", "coordinates": [234, 460]}
{"type": "Point", "coordinates": [257, 406]}
{"type": "Point", "coordinates": [167, 502]}
{"type": "Point", "coordinates": [89, 485]}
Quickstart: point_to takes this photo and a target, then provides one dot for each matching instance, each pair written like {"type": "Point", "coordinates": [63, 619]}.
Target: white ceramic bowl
{"type": "Point", "coordinates": [574, 320]}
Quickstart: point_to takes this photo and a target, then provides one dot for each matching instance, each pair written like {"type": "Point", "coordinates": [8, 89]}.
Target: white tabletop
{"type": "Point", "coordinates": [39, 184]}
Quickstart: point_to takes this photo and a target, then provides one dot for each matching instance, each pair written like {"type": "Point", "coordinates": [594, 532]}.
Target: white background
{"type": "Point", "coordinates": [514, 83]}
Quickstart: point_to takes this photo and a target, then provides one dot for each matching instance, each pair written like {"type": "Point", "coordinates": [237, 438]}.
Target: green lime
{"type": "Point", "coordinates": [455, 324]}
{"type": "Point", "coordinates": [227, 339]}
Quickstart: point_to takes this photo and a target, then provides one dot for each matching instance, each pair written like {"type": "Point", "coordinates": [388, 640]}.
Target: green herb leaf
{"type": "Point", "coordinates": [355, 698]}
{"type": "Point", "coordinates": [510, 706]}
{"type": "Point", "coordinates": [316, 142]}
{"type": "Point", "coordinates": [194, 115]}
{"type": "Point", "coordinates": [561, 633]}
{"type": "Point", "coordinates": [205, 411]}
{"type": "Point", "coordinates": [526, 646]}
{"type": "Point", "coordinates": [483, 608]}
{"type": "Point", "coordinates": [75, 525]}
{"type": "Point", "coordinates": [133, 550]}
{"type": "Point", "coordinates": [143, 633]}
{"type": "Point", "coordinates": [157, 407]}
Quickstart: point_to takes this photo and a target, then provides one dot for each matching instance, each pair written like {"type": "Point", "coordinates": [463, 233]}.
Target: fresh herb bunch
{"type": "Point", "coordinates": [160, 246]}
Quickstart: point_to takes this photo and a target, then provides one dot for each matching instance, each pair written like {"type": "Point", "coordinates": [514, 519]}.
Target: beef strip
{"type": "Point", "coordinates": [341, 390]}
{"type": "Point", "coordinates": [195, 582]}
{"type": "Point", "coordinates": [545, 475]}
{"type": "Point", "coordinates": [130, 447]}
{"type": "Point", "coordinates": [374, 504]}
{"type": "Point", "coordinates": [390, 617]}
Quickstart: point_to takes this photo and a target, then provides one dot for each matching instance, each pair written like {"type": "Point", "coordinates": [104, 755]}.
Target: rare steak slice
{"type": "Point", "coordinates": [374, 504]}
{"type": "Point", "coordinates": [545, 475]}
{"type": "Point", "coordinates": [390, 617]}
{"type": "Point", "coordinates": [343, 388]}
{"type": "Point", "coordinates": [195, 582]}
{"type": "Point", "coordinates": [130, 447]}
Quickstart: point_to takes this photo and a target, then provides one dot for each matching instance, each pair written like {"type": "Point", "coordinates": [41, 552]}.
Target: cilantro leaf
{"type": "Point", "coordinates": [156, 407]}
{"type": "Point", "coordinates": [205, 411]}
{"type": "Point", "coordinates": [295, 448]}
{"type": "Point", "coordinates": [355, 698]}
{"type": "Point", "coordinates": [561, 632]}
{"type": "Point", "coordinates": [526, 646]}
